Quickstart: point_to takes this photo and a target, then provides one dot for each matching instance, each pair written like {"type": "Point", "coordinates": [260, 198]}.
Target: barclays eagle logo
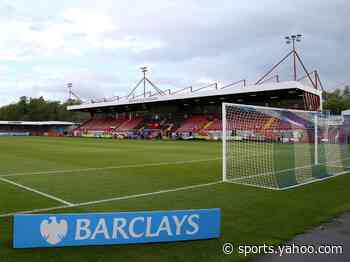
{"type": "Point", "coordinates": [53, 232]}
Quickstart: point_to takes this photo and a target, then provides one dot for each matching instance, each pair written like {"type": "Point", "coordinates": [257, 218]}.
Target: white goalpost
{"type": "Point", "coordinates": [278, 148]}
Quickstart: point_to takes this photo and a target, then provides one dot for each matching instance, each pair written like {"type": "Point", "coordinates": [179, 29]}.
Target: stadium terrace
{"type": "Point", "coordinates": [187, 113]}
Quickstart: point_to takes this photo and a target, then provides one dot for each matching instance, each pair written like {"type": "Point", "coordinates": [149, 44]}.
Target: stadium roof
{"type": "Point", "coordinates": [37, 123]}
{"type": "Point", "coordinates": [188, 93]}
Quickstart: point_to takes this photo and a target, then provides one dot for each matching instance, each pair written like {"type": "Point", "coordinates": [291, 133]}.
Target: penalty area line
{"type": "Point", "coordinates": [70, 205]}
{"type": "Point", "coordinates": [146, 194]}
{"type": "Point", "coordinates": [35, 191]}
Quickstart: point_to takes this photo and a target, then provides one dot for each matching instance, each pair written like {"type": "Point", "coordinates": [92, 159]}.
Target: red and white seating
{"type": "Point", "coordinates": [193, 124]}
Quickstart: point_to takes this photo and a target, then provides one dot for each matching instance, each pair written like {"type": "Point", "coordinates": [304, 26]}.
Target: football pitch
{"type": "Point", "coordinates": [56, 175]}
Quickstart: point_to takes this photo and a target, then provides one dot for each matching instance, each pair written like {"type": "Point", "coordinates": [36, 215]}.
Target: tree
{"type": "Point", "coordinates": [39, 109]}
{"type": "Point", "coordinates": [338, 100]}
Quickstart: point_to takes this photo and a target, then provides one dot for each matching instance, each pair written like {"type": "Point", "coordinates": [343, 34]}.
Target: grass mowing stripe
{"type": "Point", "coordinates": [244, 209]}
{"type": "Point", "coordinates": [113, 199]}
{"type": "Point", "coordinates": [110, 167]}
{"type": "Point", "coordinates": [36, 191]}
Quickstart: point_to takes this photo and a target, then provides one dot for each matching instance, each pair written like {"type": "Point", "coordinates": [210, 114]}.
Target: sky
{"type": "Point", "coordinates": [100, 46]}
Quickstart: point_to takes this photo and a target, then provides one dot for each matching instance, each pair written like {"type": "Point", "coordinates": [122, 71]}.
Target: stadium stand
{"type": "Point", "coordinates": [130, 124]}
{"type": "Point", "coordinates": [215, 125]}
{"type": "Point", "coordinates": [196, 113]}
{"type": "Point", "coordinates": [203, 126]}
{"type": "Point", "coordinates": [102, 124]}
{"type": "Point", "coordinates": [193, 124]}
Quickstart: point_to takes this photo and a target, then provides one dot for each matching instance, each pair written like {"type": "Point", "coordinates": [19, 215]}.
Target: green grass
{"type": "Point", "coordinates": [249, 215]}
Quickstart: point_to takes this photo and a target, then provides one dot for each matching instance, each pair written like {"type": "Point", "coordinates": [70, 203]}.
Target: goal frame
{"type": "Point", "coordinates": [224, 132]}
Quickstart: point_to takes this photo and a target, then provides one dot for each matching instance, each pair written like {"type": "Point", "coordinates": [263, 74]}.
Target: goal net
{"type": "Point", "coordinates": [280, 148]}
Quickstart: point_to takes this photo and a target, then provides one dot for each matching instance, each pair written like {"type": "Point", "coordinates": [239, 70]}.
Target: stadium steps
{"type": "Point", "coordinates": [130, 124]}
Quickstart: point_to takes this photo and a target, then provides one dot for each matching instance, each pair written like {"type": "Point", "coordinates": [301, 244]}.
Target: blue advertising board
{"type": "Point", "coordinates": [57, 230]}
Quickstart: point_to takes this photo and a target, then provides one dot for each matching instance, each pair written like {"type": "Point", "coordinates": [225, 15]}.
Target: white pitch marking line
{"type": "Point", "coordinates": [251, 185]}
{"type": "Point", "coordinates": [34, 211]}
{"type": "Point", "coordinates": [338, 166]}
{"type": "Point", "coordinates": [326, 164]}
{"type": "Point", "coordinates": [110, 167]}
{"type": "Point", "coordinates": [316, 180]}
{"type": "Point", "coordinates": [36, 191]}
{"type": "Point", "coordinates": [113, 199]}
{"type": "Point", "coordinates": [147, 194]}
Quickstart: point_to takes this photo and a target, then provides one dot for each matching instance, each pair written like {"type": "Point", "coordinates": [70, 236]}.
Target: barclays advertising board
{"type": "Point", "coordinates": [57, 230]}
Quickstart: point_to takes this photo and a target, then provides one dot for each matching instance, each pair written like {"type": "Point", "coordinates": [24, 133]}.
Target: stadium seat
{"type": "Point", "coordinates": [193, 124]}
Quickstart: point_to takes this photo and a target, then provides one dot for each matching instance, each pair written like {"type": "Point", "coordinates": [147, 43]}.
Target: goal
{"type": "Point", "coordinates": [280, 148]}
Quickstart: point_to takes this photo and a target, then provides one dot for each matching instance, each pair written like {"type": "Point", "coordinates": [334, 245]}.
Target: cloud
{"type": "Point", "coordinates": [100, 46]}
{"type": "Point", "coordinates": [88, 21]}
